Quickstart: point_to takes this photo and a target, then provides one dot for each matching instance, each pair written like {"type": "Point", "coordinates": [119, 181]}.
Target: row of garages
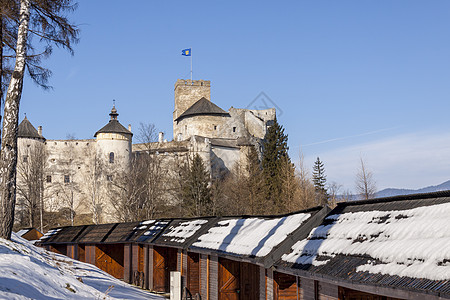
{"type": "Point", "coordinates": [250, 257]}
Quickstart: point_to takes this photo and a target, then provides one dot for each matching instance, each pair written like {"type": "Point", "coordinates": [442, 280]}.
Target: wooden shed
{"type": "Point", "coordinates": [387, 248]}
{"type": "Point", "coordinates": [236, 253]}
{"type": "Point", "coordinates": [353, 252]}
{"type": "Point", "coordinates": [30, 234]}
{"type": "Point", "coordinates": [179, 235]}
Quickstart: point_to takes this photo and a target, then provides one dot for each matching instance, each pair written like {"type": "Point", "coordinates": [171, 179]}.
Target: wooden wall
{"type": "Point", "coordinates": [57, 248]}
{"type": "Point", "coordinates": [138, 274]}
{"type": "Point", "coordinates": [348, 294]}
{"type": "Point", "coordinates": [81, 253]}
{"type": "Point", "coordinates": [164, 261]}
{"type": "Point", "coordinates": [237, 280]}
{"type": "Point", "coordinates": [193, 273]}
{"type": "Point", "coordinates": [110, 258]}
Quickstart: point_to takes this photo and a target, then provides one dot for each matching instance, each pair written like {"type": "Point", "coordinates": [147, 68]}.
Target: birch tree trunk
{"type": "Point", "coordinates": [8, 155]}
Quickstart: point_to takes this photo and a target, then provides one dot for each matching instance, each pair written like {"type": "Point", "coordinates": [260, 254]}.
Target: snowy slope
{"type": "Point", "coordinates": [29, 272]}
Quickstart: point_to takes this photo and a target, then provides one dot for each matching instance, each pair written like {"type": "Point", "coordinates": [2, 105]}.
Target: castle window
{"type": "Point", "coordinates": [215, 127]}
{"type": "Point", "coordinates": [66, 179]}
{"type": "Point", "coordinates": [49, 178]}
{"type": "Point", "coordinates": [234, 129]}
{"type": "Point", "coordinates": [25, 158]}
{"type": "Point", "coordinates": [108, 177]}
{"type": "Point", "coordinates": [111, 157]}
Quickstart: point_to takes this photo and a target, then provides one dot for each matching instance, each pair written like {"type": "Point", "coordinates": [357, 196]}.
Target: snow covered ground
{"type": "Point", "coordinates": [29, 272]}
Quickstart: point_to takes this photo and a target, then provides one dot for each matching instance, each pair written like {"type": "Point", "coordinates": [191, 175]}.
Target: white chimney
{"type": "Point", "coordinates": [161, 137]}
{"type": "Point", "coordinates": [129, 127]}
{"type": "Point", "coordinates": [40, 130]}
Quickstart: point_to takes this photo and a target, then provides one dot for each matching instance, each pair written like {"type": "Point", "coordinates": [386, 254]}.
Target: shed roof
{"type": "Point", "coordinates": [397, 242]}
{"type": "Point", "coordinates": [152, 230]}
{"type": "Point", "coordinates": [121, 232]}
{"type": "Point", "coordinates": [95, 233]}
{"type": "Point", "coordinates": [182, 232]}
{"type": "Point", "coordinates": [252, 237]}
{"type": "Point", "coordinates": [202, 107]}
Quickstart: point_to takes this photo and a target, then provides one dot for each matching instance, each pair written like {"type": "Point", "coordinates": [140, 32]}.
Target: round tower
{"type": "Point", "coordinates": [28, 136]}
{"type": "Point", "coordinates": [114, 143]}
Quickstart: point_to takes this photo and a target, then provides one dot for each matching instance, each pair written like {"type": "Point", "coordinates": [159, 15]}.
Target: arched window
{"type": "Point", "coordinates": [111, 157]}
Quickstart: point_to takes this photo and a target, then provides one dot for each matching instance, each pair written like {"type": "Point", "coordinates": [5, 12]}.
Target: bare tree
{"type": "Point", "coordinates": [125, 191]}
{"type": "Point", "coordinates": [68, 188]}
{"type": "Point", "coordinates": [44, 19]}
{"type": "Point", "coordinates": [365, 184]}
{"type": "Point", "coordinates": [30, 184]}
{"type": "Point", "coordinates": [306, 193]}
{"type": "Point", "coordinates": [92, 185]}
{"type": "Point", "coordinates": [333, 191]}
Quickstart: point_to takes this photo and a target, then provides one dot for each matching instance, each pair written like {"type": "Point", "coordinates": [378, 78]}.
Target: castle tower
{"type": "Point", "coordinates": [30, 161]}
{"type": "Point", "coordinates": [188, 92]}
{"type": "Point", "coordinates": [114, 143]}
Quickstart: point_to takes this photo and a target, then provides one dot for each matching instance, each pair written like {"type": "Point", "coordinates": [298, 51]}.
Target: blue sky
{"type": "Point", "coordinates": [352, 78]}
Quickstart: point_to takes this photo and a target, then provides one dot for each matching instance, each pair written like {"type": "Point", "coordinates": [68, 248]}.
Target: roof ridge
{"type": "Point", "coordinates": [416, 196]}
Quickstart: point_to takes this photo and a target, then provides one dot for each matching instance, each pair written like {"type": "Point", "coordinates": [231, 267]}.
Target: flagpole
{"type": "Point", "coordinates": [191, 64]}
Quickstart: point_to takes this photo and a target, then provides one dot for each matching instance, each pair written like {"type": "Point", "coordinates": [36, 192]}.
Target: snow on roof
{"type": "Point", "coordinates": [22, 232]}
{"type": "Point", "coordinates": [252, 236]}
{"type": "Point", "coordinates": [184, 230]}
{"type": "Point", "coordinates": [29, 272]}
{"type": "Point", "coordinates": [147, 222]}
{"type": "Point", "coordinates": [50, 233]}
{"type": "Point", "coordinates": [413, 243]}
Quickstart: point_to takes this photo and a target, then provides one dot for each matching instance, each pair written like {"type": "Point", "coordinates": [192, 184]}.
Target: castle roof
{"type": "Point", "coordinates": [203, 107]}
{"type": "Point", "coordinates": [113, 125]}
{"type": "Point", "coordinates": [27, 130]}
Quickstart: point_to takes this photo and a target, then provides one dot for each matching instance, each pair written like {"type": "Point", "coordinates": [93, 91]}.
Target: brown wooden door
{"type": "Point", "coordinates": [109, 258]}
{"type": "Point", "coordinates": [249, 281]}
{"type": "Point", "coordinates": [164, 261]}
{"type": "Point", "coordinates": [284, 287]}
{"type": "Point", "coordinates": [141, 258]}
{"type": "Point", "coordinates": [229, 283]}
{"type": "Point", "coordinates": [193, 273]}
{"type": "Point", "coordinates": [81, 253]}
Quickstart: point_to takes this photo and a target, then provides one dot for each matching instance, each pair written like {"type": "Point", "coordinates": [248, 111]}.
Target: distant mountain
{"type": "Point", "coordinates": [396, 192]}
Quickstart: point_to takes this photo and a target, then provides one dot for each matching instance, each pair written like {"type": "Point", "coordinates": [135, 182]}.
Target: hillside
{"type": "Point", "coordinates": [389, 192]}
{"type": "Point", "coordinates": [29, 272]}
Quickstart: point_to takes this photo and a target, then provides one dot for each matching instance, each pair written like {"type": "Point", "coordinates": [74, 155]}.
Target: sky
{"type": "Point", "coordinates": [348, 78]}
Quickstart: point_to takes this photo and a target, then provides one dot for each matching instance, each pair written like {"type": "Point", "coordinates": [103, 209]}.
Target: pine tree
{"type": "Point", "coordinates": [275, 156]}
{"type": "Point", "coordinates": [320, 180]}
{"type": "Point", "coordinates": [196, 193]}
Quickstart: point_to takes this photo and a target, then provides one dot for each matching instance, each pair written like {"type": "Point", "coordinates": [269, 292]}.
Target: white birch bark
{"type": "Point", "coordinates": [8, 155]}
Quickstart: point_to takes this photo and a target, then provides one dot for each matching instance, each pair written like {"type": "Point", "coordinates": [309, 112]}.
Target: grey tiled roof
{"type": "Point", "coordinates": [202, 107]}
{"type": "Point", "coordinates": [27, 130]}
{"type": "Point", "coordinates": [113, 126]}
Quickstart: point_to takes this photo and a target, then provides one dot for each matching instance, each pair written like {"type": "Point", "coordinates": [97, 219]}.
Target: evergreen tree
{"type": "Point", "coordinates": [195, 190]}
{"type": "Point", "coordinates": [275, 156]}
{"type": "Point", "coordinates": [320, 180]}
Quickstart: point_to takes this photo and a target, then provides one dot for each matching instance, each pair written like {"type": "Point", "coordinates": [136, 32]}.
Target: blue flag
{"type": "Point", "coordinates": [186, 52]}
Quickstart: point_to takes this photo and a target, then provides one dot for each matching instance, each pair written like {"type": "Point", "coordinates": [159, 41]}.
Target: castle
{"type": "Point", "coordinates": [74, 174]}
